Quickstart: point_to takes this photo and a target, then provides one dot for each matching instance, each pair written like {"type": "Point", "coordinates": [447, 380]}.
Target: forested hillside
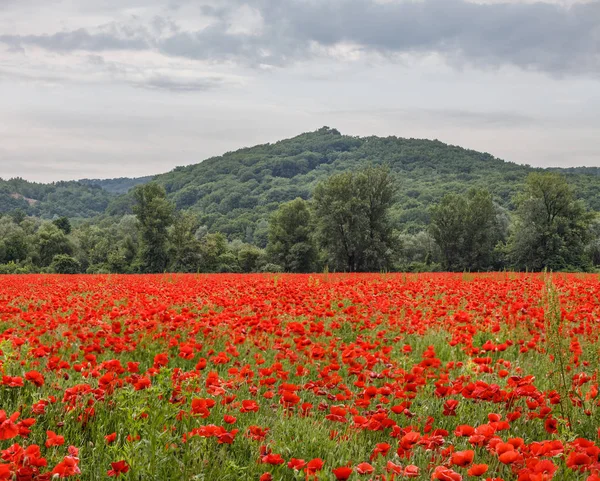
{"type": "Point", "coordinates": [235, 193]}
{"type": "Point", "coordinates": [120, 185]}
{"type": "Point", "coordinates": [70, 199]}
{"type": "Point", "coordinates": [319, 200]}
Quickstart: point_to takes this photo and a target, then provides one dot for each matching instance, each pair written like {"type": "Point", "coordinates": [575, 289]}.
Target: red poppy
{"type": "Point", "coordinates": [477, 470]}
{"type": "Point", "coordinates": [342, 473]}
{"type": "Point", "coordinates": [463, 458]}
{"type": "Point", "coordinates": [364, 468]}
{"type": "Point", "coordinates": [54, 439]}
{"type": "Point", "coordinates": [118, 468]}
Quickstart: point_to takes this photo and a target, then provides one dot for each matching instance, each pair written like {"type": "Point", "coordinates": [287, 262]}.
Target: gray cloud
{"type": "Point", "coordinates": [164, 82]}
{"type": "Point", "coordinates": [534, 36]}
{"type": "Point", "coordinates": [80, 39]}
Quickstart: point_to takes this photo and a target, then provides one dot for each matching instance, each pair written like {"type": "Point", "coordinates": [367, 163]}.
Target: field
{"type": "Point", "coordinates": [300, 377]}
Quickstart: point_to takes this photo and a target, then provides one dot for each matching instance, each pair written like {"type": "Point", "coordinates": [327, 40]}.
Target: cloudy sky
{"type": "Point", "coordinates": [110, 88]}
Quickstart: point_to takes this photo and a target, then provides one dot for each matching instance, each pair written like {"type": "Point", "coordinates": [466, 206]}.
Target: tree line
{"type": "Point", "coordinates": [344, 227]}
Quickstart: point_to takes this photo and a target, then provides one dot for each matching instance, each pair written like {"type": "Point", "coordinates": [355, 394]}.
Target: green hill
{"type": "Point", "coordinates": [236, 192]}
{"type": "Point", "coordinates": [70, 199]}
{"type": "Point", "coordinates": [121, 185]}
{"type": "Point", "coordinates": [238, 189]}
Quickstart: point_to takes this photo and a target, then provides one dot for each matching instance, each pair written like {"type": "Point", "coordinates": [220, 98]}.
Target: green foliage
{"type": "Point", "coordinates": [64, 224]}
{"type": "Point", "coordinates": [235, 192]}
{"type": "Point", "coordinates": [68, 199]}
{"type": "Point", "coordinates": [551, 226]}
{"type": "Point", "coordinates": [51, 241]}
{"type": "Point", "coordinates": [212, 248]}
{"type": "Point", "coordinates": [353, 225]}
{"type": "Point", "coordinates": [249, 258]}
{"type": "Point", "coordinates": [467, 229]}
{"type": "Point", "coordinates": [225, 205]}
{"type": "Point", "coordinates": [65, 264]}
{"type": "Point", "coordinates": [122, 185]}
{"type": "Point", "coordinates": [14, 268]}
{"type": "Point", "coordinates": [417, 253]}
{"type": "Point", "coordinates": [184, 249]}
{"type": "Point", "coordinates": [14, 242]}
{"type": "Point", "coordinates": [291, 243]}
{"type": "Point", "coordinates": [155, 214]}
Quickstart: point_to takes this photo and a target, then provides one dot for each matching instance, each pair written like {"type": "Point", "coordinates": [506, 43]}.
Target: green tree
{"type": "Point", "coordinates": [249, 257]}
{"type": "Point", "coordinates": [291, 244]}
{"type": "Point", "coordinates": [592, 249]}
{"type": "Point", "coordinates": [64, 224]}
{"type": "Point", "coordinates": [65, 264]}
{"type": "Point", "coordinates": [467, 230]}
{"type": "Point", "coordinates": [184, 248]}
{"type": "Point", "coordinates": [14, 244]}
{"type": "Point", "coordinates": [418, 252]}
{"type": "Point", "coordinates": [213, 250]}
{"type": "Point", "coordinates": [155, 214]}
{"type": "Point", "coordinates": [551, 228]}
{"type": "Point", "coordinates": [51, 241]}
{"type": "Point", "coordinates": [353, 225]}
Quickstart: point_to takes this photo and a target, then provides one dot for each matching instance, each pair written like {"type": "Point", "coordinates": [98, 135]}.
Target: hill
{"type": "Point", "coordinates": [235, 193]}
{"type": "Point", "coordinates": [70, 199]}
{"type": "Point", "coordinates": [120, 185]}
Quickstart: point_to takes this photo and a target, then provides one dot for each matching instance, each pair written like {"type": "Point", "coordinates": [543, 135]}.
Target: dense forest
{"type": "Point", "coordinates": [229, 208]}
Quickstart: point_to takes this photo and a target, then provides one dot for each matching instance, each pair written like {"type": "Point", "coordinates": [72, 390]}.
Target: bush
{"type": "Point", "coordinates": [65, 264]}
{"type": "Point", "coordinates": [14, 268]}
{"type": "Point", "coordinates": [271, 268]}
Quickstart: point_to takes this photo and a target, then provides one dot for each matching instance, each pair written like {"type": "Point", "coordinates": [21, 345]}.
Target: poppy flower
{"type": "Point", "coordinates": [463, 458]}
{"type": "Point", "coordinates": [69, 466]}
{"type": "Point", "coordinates": [272, 458]}
{"type": "Point", "coordinates": [381, 449]}
{"type": "Point", "coordinates": [118, 468]}
{"type": "Point", "coordinates": [296, 464]}
{"type": "Point", "coordinates": [8, 428]}
{"type": "Point", "coordinates": [442, 473]}
{"type": "Point", "coordinates": [342, 473]}
{"type": "Point", "coordinates": [364, 468]}
{"type": "Point", "coordinates": [477, 470]}
{"type": "Point", "coordinates": [411, 471]}
{"type": "Point", "coordinates": [35, 378]}
{"type": "Point", "coordinates": [54, 439]}
{"type": "Point", "coordinates": [314, 465]}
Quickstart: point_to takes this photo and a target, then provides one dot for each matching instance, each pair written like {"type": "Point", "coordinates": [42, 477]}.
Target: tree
{"type": "Point", "coordinates": [64, 224]}
{"type": "Point", "coordinates": [418, 252]}
{"type": "Point", "coordinates": [592, 249]}
{"type": "Point", "coordinates": [155, 214]}
{"type": "Point", "coordinates": [184, 248]}
{"type": "Point", "coordinates": [51, 241]}
{"type": "Point", "coordinates": [291, 244]}
{"type": "Point", "coordinates": [213, 251]}
{"type": "Point", "coordinates": [249, 257]}
{"type": "Point", "coordinates": [14, 245]}
{"type": "Point", "coordinates": [65, 264]}
{"type": "Point", "coordinates": [467, 229]}
{"type": "Point", "coordinates": [353, 225]}
{"type": "Point", "coordinates": [551, 227]}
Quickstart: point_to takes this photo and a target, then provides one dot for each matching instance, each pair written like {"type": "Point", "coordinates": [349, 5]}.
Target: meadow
{"type": "Point", "coordinates": [300, 377]}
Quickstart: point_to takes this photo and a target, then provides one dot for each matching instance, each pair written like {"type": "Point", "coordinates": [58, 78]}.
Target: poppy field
{"type": "Point", "coordinates": [300, 377]}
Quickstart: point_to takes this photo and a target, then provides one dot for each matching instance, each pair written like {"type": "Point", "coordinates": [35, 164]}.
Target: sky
{"type": "Point", "coordinates": [114, 88]}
